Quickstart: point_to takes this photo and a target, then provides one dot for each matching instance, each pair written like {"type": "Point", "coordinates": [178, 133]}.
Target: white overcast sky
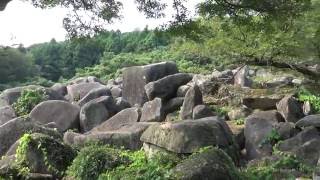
{"type": "Point", "coordinates": [21, 23]}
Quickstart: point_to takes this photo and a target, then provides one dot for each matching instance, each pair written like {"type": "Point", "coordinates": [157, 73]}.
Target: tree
{"type": "Point", "coordinates": [89, 17]}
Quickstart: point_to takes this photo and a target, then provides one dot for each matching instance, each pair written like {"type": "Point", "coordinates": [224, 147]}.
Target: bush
{"type": "Point", "coordinates": [94, 160]}
{"type": "Point", "coordinates": [28, 100]}
{"type": "Point", "coordinates": [140, 167]}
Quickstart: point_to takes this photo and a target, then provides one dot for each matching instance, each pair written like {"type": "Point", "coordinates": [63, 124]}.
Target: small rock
{"type": "Point", "coordinates": [201, 111]}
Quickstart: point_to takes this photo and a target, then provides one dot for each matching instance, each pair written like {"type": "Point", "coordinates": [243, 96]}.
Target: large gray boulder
{"type": "Point", "coordinates": [206, 83]}
{"type": "Point", "coordinates": [16, 128]}
{"type": "Point", "coordinates": [78, 91]}
{"type": "Point", "coordinates": [166, 88]}
{"type": "Point", "coordinates": [93, 94]}
{"type": "Point", "coordinates": [213, 164]}
{"type": "Point", "coordinates": [92, 114]}
{"type": "Point", "coordinates": [135, 78]}
{"type": "Point", "coordinates": [241, 77]}
{"type": "Point", "coordinates": [130, 115]}
{"type": "Point", "coordinates": [258, 127]}
{"type": "Point", "coordinates": [6, 114]}
{"type": "Point", "coordinates": [290, 109]}
{"type": "Point", "coordinates": [121, 104]}
{"type": "Point", "coordinates": [153, 111]}
{"type": "Point", "coordinates": [189, 135]}
{"type": "Point", "coordinates": [305, 145]}
{"type": "Point", "coordinates": [311, 120]}
{"type": "Point", "coordinates": [192, 99]}
{"type": "Point", "coordinates": [126, 135]}
{"type": "Point", "coordinates": [64, 114]}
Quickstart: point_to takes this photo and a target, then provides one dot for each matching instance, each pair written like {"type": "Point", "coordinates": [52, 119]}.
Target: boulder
{"type": "Point", "coordinates": [61, 89]}
{"type": "Point", "coordinates": [241, 77]}
{"type": "Point", "coordinates": [262, 103]}
{"type": "Point", "coordinates": [93, 94]}
{"type": "Point", "coordinates": [6, 114]}
{"type": "Point", "coordinates": [92, 114]}
{"type": "Point", "coordinates": [278, 82]}
{"type": "Point", "coordinates": [64, 114]}
{"type": "Point", "coordinates": [311, 120]}
{"type": "Point", "coordinates": [182, 90]}
{"type": "Point", "coordinates": [121, 104]}
{"type": "Point", "coordinates": [211, 163]}
{"type": "Point", "coordinates": [173, 105]}
{"type": "Point", "coordinates": [125, 116]}
{"type": "Point", "coordinates": [89, 79]}
{"type": "Point", "coordinates": [192, 99]}
{"type": "Point", "coordinates": [238, 113]}
{"type": "Point", "coordinates": [116, 92]}
{"type": "Point", "coordinates": [39, 156]}
{"type": "Point", "coordinates": [166, 88]}
{"type": "Point", "coordinates": [127, 136]}
{"type": "Point", "coordinates": [16, 128]}
{"type": "Point", "coordinates": [258, 127]}
{"type": "Point", "coordinates": [305, 145]}
{"type": "Point", "coordinates": [189, 135]}
{"type": "Point", "coordinates": [153, 111]}
{"type": "Point", "coordinates": [307, 108]}
{"type": "Point", "coordinates": [79, 91]}
{"type": "Point", "coordinates": [290, 109]}
{"type": "Point", "coordinates": [202, 111]}
{"type": "Point", "coordinates": [135, 78]}
{"type": "Point", "coordinates": [206, 83]}
{"type": "Point", "coordinates": [286, 130]}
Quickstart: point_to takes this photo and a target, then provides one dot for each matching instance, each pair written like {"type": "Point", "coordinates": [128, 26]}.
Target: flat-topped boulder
{"type": "Point", "coordinates": [64, 114]}
{"type": "Point", "coordinates": [290, 109]}
{"type": "Point", "coordinates": [153, 111]}
{"type": "Point", "coordinates": [126, 135]}
{"type": "Point", "coordinates": [135, 78]}
{"type": "Point", "coordinates": [188, 136]}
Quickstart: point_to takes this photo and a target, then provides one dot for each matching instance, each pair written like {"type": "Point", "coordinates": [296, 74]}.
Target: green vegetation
{"type": "Point", "coordinates": [240, 121]}
{"type": "Point", "coordinates": [281, 168]}
{"type": "Point", "coordinates": [314, 99]}
{"type": "Point", "coordinates": [21, 160]}
{"type": "Point", "coordinates": [28, 100]}
{"type": "Point", "coordinates": [105, 162]}
{"type": "Point", "coordinates": [272, 138]}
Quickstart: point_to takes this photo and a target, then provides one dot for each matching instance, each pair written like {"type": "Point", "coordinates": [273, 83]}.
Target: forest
{"type": "Point", "coordinates": [206, 42]}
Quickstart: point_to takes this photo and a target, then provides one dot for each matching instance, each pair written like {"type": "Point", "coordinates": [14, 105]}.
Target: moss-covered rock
{"type": "Point", "coordinates": [210, 163]}
{"type": "Point", "coordinates": [39, 153]}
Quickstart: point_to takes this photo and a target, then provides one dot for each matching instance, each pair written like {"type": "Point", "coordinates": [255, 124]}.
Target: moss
{"type": "Point", "coordinates": [209, 163]}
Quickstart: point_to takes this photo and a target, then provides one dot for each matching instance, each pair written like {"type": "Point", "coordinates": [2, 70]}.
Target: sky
{"type": "Point", "coordinates": [21, 23]}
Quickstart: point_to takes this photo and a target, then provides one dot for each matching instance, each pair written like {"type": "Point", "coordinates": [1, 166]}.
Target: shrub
{"type": "Point", "coordinates": [28, 100]}
{"type": "Point", "coordinates": [305, 95]}
{"type": "Point", "coordinates": [281, 168]}
{"type": "Point", "coordinates": [94, 160]}
{"type": "Point", "coordinates": [142, 168]}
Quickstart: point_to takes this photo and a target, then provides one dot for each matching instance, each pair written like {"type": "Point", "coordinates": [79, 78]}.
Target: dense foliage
{"type": "Point", "coordinates": [28, 100]}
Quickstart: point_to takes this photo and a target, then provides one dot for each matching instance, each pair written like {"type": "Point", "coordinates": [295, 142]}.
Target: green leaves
{"type": "Point", "coordinates": [28, 100]}
{"type": "Point", "coordinates": [305, 95]}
